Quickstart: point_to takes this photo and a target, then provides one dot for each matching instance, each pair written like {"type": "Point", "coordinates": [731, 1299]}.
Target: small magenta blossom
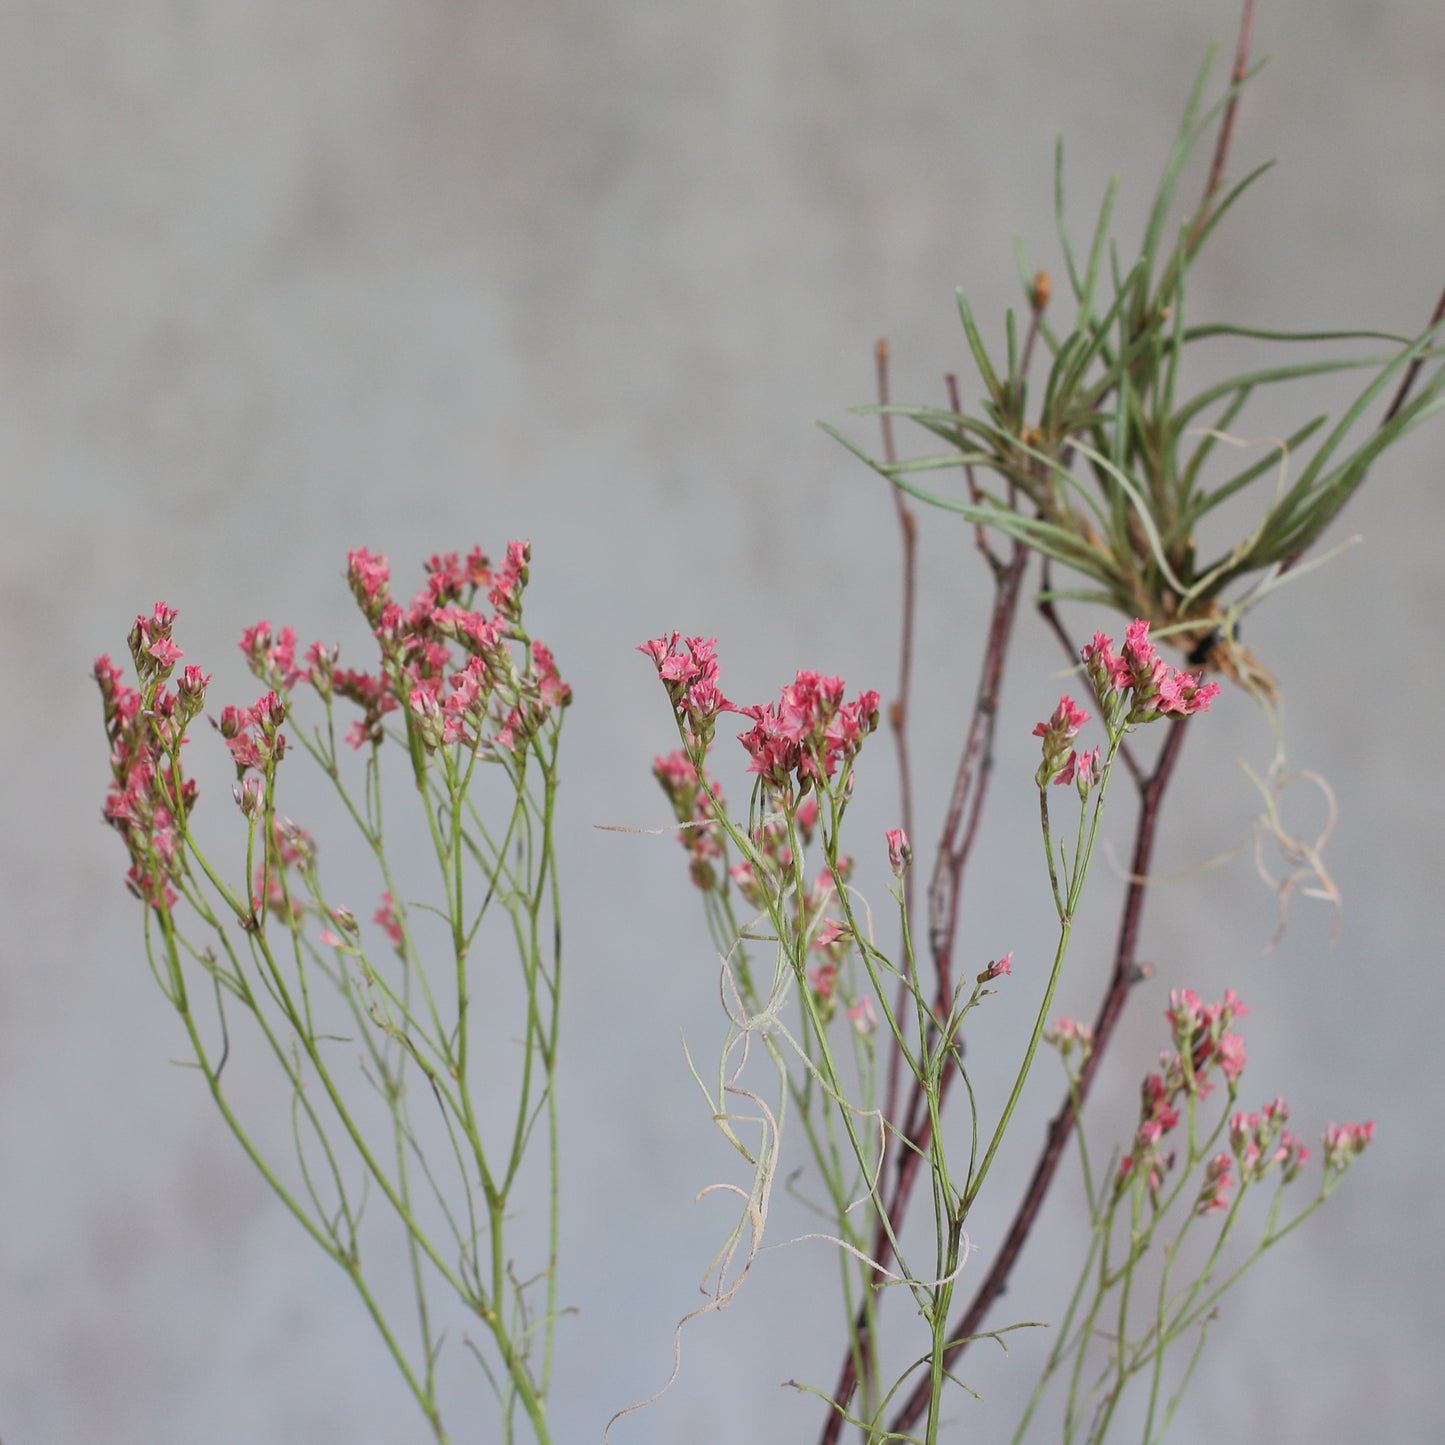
{"type": "Point", "coordinates": [252, 734]}
{"type": "Point", "coordinates": [273, 659]}
{"type": "Point", "coordinates": [370, 580]}
{"type": "Point", "coordinates": [152, 648]}
{"type": "Point", "coordinates": [1344, 1143]}
{"type": "Point", "coordinates": [149, 797]}
{"type": "Point", "coordinates": [808, 734]}
{"type": "Point", "coordinates": [389, 917]}
{"type": "Point", "coordinates": [1214, 1194]}
{"type": "Point", "coordinates": [998, 968]}
{"type": "Point", "coordinates": [1058, 733]}
{"type": "Point", "coordinates": [1260, 1141]}
{"type": "Point", "coordinates": [693, 807]}
{"type": "Point", "coordinates": [1201, 1038]}
{"type": "Point", "coordinates": [900, 855]}
{"type": "Point", "coordinates": [690, 675]}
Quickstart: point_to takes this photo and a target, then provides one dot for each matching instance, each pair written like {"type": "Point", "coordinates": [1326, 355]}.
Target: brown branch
{"type": "Point", "coordinates": [1110, 1009]}
{"type": "Point", "coordinates": [1407, 382]}
{"type": "Point", "coordinates": [960, 828]}
{"type": "Point", "coordinates": [1226, 128]}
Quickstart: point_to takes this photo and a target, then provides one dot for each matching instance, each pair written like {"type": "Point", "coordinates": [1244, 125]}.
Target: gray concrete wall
{"type": "Point", "coordinates": [281, 279]}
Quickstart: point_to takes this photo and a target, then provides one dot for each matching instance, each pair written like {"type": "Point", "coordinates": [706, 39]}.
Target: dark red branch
{"type": "Point", "coordinates": [1226, 128]}
{"type": "Point", "coordinates": [945, 891]}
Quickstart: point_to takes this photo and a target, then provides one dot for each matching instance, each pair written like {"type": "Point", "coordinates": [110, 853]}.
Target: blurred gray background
{"type": "Point", "coordinates": [283, 279]}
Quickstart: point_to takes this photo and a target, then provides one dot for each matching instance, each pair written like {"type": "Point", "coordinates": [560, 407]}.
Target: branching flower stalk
{"type": "Point", "coordinates": [261, 948]}
{"type": "Point", "coordinates": [803, 750]}
{"type": "Point", "coordinates": [1163, 1184]}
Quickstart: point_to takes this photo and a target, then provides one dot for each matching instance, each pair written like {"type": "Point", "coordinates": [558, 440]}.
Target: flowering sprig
{"type": "Point", "coordinates": [694, 802]}
{"type": "Point", "coordinates": [801, 741]}
{"type": "Point", "coordinates": [1061, 761]}
{"type": "Point", "coordinates": [465, 685]}
{"type": "Point", "coordinates": [1173, 1171]}
{"type": "Point", "coordinates": [802, 751]}
{"type": "Point", "coordinates": [1136, 685]}
{"type": "Point", "coordinates": [1132, 688]}
{"type": "Point", "coordinates": [690, 675]}
{"type": "Point", "coordinates": [149, 797]}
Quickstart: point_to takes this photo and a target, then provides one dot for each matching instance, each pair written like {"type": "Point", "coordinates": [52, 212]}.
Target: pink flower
{"type": "Point", "coordinates": [1139, 686]}
{"type": "Point", "coordinates": [900, 855]}
{"type": "Point", "coordinates": [690, 676]}
{"type": "Point", "coordinates": [555, 692]}
{"type": "Point", "coordinates": [370, 581]}
{"type": "Point", "coordinates": [1232, 1057]}
{"type": "Point", "coordinates": [692, 806]}
{"type": "Point", "coordinates": [389, 917]}
{"type": "Point", "coordinates": [997, 968]}
{"type": "Point", "coordinates": [1344, 1143]}
{"type": "Point", "coordinates": [1214, 1196]}
{"type": "Point", "coordinates": [1260, 1141]}
{"type": "Point", "coordinates": [809, 733]}
{"type": "Point", "coordinates": [165, 652]}
{"type": "Point", "coordinates": [823, 979]}
{"type": "Point", "coordinates": [273, 659]}
{"type": "Point", "coordinates": [1058, 734]}
{"type": "Point", "coordinates": [1066, 1035]}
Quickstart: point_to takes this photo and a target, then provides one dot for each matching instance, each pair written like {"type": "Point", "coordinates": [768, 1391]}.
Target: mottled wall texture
{"type": "Point", "coordinates": [281, 278]}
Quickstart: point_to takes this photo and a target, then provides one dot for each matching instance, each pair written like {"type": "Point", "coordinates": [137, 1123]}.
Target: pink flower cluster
{"type": "Point", "coordinates": [802, 739]}
{"type": "Point", "coordinates": [693, 807]}
{"type": "Point", "coordinates": [1202, 1039]}
{"type": "Point", "coordinates": [690, 675]}
{"type": "Point", "coordinates": [148, 797]}
{"type": "Point", "coordinates": [487, 701]}
{"type": "Point", "coordinates": [808, 734]}
{"type": "Point", "coordinates": [1344, 1143]}
{"type": "Point", "coordinates": [1068, 1035]}
{"type": "Point", "coordinates": [1137, 685]}
{"type": "Point", "coordinates": [1218, 1181]}
{"type": "Point", "coordinates": [1202, 1044]}
{"type": "Point", "coordinates": [1061, 763]}
{"type": "Point", "coordinates": [253, 735]}
{"type": "Point", "coordinates": [388, 915]}
{"type": "Point", "coordinates": [1260, 1141]}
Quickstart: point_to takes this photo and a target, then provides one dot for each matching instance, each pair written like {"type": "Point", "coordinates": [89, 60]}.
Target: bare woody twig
{"type": "Point", "coordinates": [1226, 128]}
{"type": "Point", "coordinates": [959, 831]}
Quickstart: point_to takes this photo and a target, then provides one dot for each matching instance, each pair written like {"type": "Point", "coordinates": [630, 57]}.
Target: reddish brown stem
{"type": "Point", "coordinates": [945, 891]}
{"type": "Point", "coordinates": [1226, 128]}
{"type": "Point", "coordinates": [1407, 382]}
{"type": "Point", "coordinates": [1151, 795]}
